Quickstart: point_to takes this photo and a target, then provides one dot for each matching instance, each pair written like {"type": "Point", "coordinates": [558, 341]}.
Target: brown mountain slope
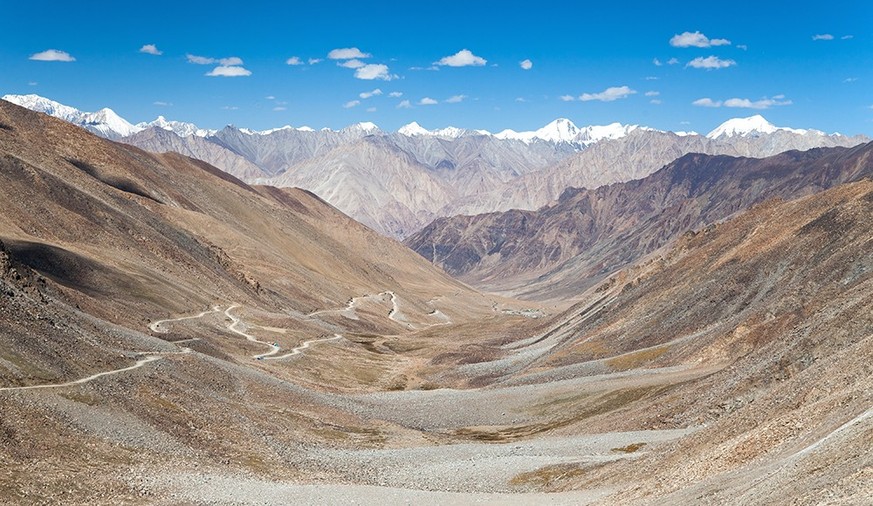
{"type": "Point", "coordinates": [775, 309]}
{"type": "Point", "coordinates": [127, 235]}
{"type": "Point", "coordinates": [561, 249]}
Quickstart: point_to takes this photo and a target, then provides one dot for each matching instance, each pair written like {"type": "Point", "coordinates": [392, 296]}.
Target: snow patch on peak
{"type": "Point", "coordinates": [104, 122]}
{"type": "Point", "coordinates": [559, 130]}
{"type": "Point", "coordinates": [564, 130]}
{"type": "Point", "coordinates": [594, 133]}
{"type": "Point", "coordinates": [180, 128]}
{"type": "Point", "coordinates": [413, 129]}
{"type": "Point", "coordinates": [47, 106]}
{"type": "Point", "coordinates": [752, 126]}
{"type": "Point", "coordinates": [364, 126]}
{"type": "Point", "coordinates": [108, 122]}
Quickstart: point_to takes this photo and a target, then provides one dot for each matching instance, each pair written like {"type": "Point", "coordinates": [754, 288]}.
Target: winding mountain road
{"type": "Point", "coordinates": [299, 349]}
{"type": "Point", "coordinates": [274, 348]}
{"type": "Point", "coordinates": [150, 357]}
{"type": "Point", "coordinates": [155, 327]}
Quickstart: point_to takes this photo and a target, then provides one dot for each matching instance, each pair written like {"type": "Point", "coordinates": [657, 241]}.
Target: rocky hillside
{"type": "Point", "coordinates": [123, 233]}
{"type": "Point", "coordinates": [764, 322]}
{"type": "Point", "coordinates": [563, 248]}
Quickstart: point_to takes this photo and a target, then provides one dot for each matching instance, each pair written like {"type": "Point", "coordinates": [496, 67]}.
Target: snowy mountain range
{"type": "Point", "coordinates": [397, 182]}
{"type": "Point", "coordinates": [107, 123]}
{"type": "Point", "coordinates": [103, 122]}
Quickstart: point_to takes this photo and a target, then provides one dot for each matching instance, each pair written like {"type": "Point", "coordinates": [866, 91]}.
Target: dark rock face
{"type": "Point", "coordinates": [589, 233]}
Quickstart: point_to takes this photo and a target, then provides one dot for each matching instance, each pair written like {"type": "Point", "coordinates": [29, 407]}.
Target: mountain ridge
{"type": "Point", "coordinates": [475, 170]}
{"type": "Point", "coordinates": [566, 246]}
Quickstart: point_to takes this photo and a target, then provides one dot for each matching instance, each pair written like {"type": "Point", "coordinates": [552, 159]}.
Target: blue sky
{"type": "Point", "coordinates": [594, 64]}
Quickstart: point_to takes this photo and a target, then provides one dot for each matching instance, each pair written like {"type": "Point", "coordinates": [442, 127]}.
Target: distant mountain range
{"type": "Point", "coordinates": [398, 182]}
{"type": "Point", "coordinates": [565, 248]}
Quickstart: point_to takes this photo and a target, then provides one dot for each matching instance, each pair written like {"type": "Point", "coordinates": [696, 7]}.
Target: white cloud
{"type": "Point", "coordinates": [706, 102]}
{"type": "Point", "coordinates": [313, 61]}
{"type": "Point", "coordinates": [655, 101]}
{"type": "Point", "coordinates": [404, 105]}
{"type": "Point", "coordinates": [199, 60]}
{"type": "Point", "coordinates": [371, 109]}
{"type": "Point", "coordinates": [847, 37]}
{"type": "Point", "coordinates": [710, 63]}
{"type": "Point", "coordinates": [280, 108]}
{"type": "Point", "coordinates": [850, 79]}
{"type": "Point", "coordinates": [567, 98]}
{"type": "Point", "coordinates": [656, 62]}
{"type": "Point", "coordinates": [352, 64]}
{"type": "Point", "coordinates": [651, 78]}
{"type": "Point", "coordinates": [52, 55]}
{"type": "Point", "coordinates": [161, 103]}
{"type": "Point", "coordinates": [395, 94]}
{"type": "Point", "coordinates": [463, 58]}
{"type": "Point", "coordinates": [696, 39]}
{"type": "Point", "coordinates": [764, 103]}
{"type": "Point", "coordinates": [520, 99]}
{"type": "Point", "coordinates": [230, 61]}
{"type": "Point", "coordinates": [744, 103]}
{"type": "Point", "coordinates": [150, 49]}
{"type": "Point", "coordinates": [347, 53]}
{"type": "Point", "coordinates": [230, 108]}
{"type": "Point", "coordinates": [672, 61]}
{"type": "Point", "coordinates": [294, 60]}
{"type": "Point", "coordinates": [351, 103]}
{"type": "Point", "coordinates": [456, 99]}
{"type": "Point", "coordinates": [228, 71]}
{"type": "Point", "coordinates": [652, 93]}
{"type": "Point", "coordinates": [742, 46]}
{"type": "Point", "coordinates": [374, 71]}
{"type": "Point", "coordinates": [33, 83]}
{"type": "Point", "coordinates": [823, 36]}
{"type": "Point", "coordinates": [368, 94]}
{"type": "Point", "coordinates": [427, 101]}
{"type": "Point", "coordinates": [608, 95]}
{"type": "Point", "coordinates": [270, 97]}
{"type": "Point", "coordinates": [525, 64]}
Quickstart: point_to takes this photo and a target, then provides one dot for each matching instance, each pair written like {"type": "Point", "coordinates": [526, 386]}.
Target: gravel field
{"type": "Point", "coordinates": [216, 489]}
{"type": "Point", "coordinates": [479, 467]}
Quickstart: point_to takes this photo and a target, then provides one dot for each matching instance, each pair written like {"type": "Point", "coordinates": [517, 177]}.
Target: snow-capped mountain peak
{"type": "Point", "coordinates": [107, 120]}
{"type": "Point", "coordinates": [364, 126]}
{"type": "Point", "coordinates": [593, 133]}
{"type": "Point", "coordinates": [559, 130]}
{"type": "Point", "coordinates": [180, 128]}
{"type": "Point", "coordinates": [414, 129]}
{"type": "Point", "coordinates": [45, 105]}
{"type": "Point", "coordinates": [743, 127]}
{"type": "Point", "coordinates": [104, 122]}
{"type": "Point", "coordinates": [564, 130]}
{"type": "Point", "coordinates": [753, 126]}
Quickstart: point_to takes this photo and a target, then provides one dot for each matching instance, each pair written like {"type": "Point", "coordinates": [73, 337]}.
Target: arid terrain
{"type": "Point", "coordinates": [172, 335]}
